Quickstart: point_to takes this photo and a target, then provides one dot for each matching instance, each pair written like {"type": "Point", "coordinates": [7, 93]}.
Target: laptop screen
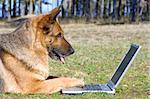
{"type": "Point", "coordinates": [124, 63]}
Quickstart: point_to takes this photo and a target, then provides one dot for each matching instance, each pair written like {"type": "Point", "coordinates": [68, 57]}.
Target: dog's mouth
{"type": "Point", "coordinates": [54, 54]}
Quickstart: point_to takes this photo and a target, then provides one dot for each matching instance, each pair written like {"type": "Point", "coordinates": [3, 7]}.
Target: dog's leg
{"type": "Point", "coordinates": [7, 81]}
{"type": "Point", "coordinates": [56, 84]}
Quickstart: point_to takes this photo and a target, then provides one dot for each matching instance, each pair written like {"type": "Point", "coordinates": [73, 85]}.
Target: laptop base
{"type": "Point", "coordinates": [88, 88]}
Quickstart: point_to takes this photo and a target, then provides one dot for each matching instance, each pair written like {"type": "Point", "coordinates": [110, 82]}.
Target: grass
{"type": "Point", "coordinates": [98, 52]}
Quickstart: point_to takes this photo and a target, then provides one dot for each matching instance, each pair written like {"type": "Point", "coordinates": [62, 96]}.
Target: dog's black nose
{"type": "Point", "coordinates": [71, 51]}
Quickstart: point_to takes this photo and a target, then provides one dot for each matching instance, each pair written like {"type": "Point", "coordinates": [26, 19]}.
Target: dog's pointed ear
{"type": "Point", "coordinates": [54, 13]}
{"type": "Point", "coordinates": [47, 19]}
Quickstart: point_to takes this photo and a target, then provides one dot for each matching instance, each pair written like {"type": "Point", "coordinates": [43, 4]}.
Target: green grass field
{"type": "Point", "coordinates": [99, 50]}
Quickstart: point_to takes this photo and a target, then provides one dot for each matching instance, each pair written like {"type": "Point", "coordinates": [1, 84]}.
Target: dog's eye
{"type": "Point", "coordinates": [59, 35]}
{"type": "Point", "coordinates": [45, 28]}
{"type": "Point", "coordinates": [52, 22]}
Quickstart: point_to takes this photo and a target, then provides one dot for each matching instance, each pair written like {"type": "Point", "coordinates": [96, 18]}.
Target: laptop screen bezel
{"type": "Point", "coordinates": [111, 84]}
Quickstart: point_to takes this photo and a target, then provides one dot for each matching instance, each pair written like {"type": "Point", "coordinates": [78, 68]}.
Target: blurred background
{"type": "Point", "coordinates": [106, 11]}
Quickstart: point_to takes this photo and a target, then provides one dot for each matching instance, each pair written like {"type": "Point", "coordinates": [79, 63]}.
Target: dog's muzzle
{"type": "Point", "coordinates": [59, 54]}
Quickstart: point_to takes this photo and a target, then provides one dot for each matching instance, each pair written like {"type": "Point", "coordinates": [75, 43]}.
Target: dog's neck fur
{"type": "Point", "coordinates": [19, 44]}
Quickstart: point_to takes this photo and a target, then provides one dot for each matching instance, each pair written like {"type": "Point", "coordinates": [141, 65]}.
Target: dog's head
{"type": "Point", "coordinates": [51, 35]}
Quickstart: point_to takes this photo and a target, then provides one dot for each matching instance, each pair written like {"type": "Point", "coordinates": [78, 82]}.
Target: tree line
{"type": "Point", "coordinates": [114, 10]}
{"type": "Point", "coordinates": [16, 8]}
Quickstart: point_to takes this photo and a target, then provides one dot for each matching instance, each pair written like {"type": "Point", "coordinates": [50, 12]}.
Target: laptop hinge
{"type": "Point", "coordinates": [111, 85]}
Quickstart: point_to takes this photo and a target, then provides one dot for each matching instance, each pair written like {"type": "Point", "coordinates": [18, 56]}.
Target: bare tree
{"type": "Point", "coordinates": [14, 8]}
{"type": "Point", "coordinates": [40, 6]}
{"type": "Point", "coordinates": [19, 11]}
{"type": "Point", "coordinates": [143, 5]}
{"type": "Point", "coordinates": [3, 8]}
{"type": "Point", "coordinates": [57, 2]}
{"type": "Point", "coordinates": [63, 12]}
{"type": "Point", "coordinates": [105, 8]}
{"type": "Point", "coordinates": [149, 9]}
{"type": "Point", "coordinates": [9, 10]}
{"type": "Point", "coordinates": [98, 7]}
{"type": "Point", "coordinates": [133, 10]}
{"type": "Point", "coordinates": [114, 9]}
{"type": "Point", "coordinates": [108, 7]}
{"type": "Point", "coordinates": [102, 8]}
{"type": "Point", "coordinates": [72, 7]}
{"type": "Point", "coordinates": [128, 8]}
{"type": "Point", "coordinates": [26, 6]}
{"type": "Point", "coordinates": [34, 6]}
{"type": "Point", "coordinates": [77, 7]}
{"type": "Point", "coordinates": [87, 9]}
{"type": "Point", "coordinates": [31, 7]}
{"type": "Point", "coordinates": [67, 7]}
{"type": "Point", "coordinates": [119, 9]}
{"type": "Point", "coordinates": [67, 4]}
{"type": "Point", "coordinates": [22, 7]}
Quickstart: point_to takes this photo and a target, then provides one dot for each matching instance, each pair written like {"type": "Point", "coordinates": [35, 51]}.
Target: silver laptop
{"type": "Point", "coordinates": [114, 81]}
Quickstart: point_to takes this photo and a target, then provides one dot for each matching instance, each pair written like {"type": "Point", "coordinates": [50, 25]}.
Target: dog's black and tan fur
{"type": "Point", "coordinates": [24, 56]}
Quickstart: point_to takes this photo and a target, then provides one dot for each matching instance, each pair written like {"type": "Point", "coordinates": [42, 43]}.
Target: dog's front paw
{"type": "Point", "coordinates": [79, 82]}
{"type": "Point", "coordinates": [72, 82]}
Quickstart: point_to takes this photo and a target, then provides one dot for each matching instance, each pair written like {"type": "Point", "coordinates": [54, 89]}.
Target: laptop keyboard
{"type": "Point", "coordinates": [92, 87]}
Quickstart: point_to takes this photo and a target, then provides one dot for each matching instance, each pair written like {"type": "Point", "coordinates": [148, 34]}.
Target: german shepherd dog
{"type": "Point", "coordinates": [24, 56]}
